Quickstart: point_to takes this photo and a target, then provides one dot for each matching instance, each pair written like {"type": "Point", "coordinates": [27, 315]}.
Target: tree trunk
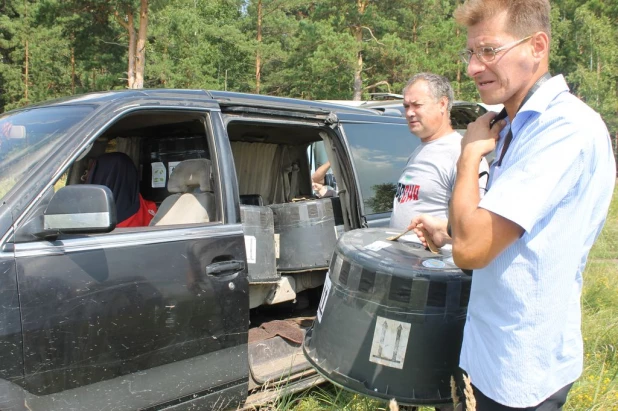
{"type": "Point", "coordinates": [26, 74]}
{"type": "Point", "coordinates": [358, 35]}
{"type": "Point", "coordinates": [598, 77]}
{"type": "Point", "coordinates": [457, 33]}
{"type": "Point", "coordinates": [129, 26]}
{"type": "Point", "coordinates": [358, 70]}
{"type": "Point", "coordinates": [258, 57]}
{"type": "Point", "coordinates": [131, 59]}
{"type": "Point", "coordinates": [140, 52]}
{"type": "Point", "coordinates": [72, 70]}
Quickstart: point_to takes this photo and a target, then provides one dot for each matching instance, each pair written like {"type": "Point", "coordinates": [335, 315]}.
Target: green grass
{"type": "Point", "coordinates": [596, 389]}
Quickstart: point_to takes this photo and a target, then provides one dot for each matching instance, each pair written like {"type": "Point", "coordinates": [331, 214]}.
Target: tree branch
{"type": "Point", "coordinates": [114, 44]}
{"type": "Point", "coordinates": [372, 36]}
{"type": "Point", "coordinates": [379, 83]}
{"type": "Point", "coordinates": [120, 21]}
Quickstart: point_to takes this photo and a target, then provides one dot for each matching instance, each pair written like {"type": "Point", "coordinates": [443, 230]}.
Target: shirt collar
{"type": "Point", "coordinates": [540, 100]}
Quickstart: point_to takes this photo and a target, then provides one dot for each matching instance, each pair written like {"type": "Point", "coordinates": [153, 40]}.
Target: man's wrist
{"type": "Point", "coordinates": [470, 153]}
{"type": "Point", "coordinates": [469, 158]}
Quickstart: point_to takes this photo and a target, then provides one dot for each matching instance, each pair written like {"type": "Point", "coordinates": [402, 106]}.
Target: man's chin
{"type": "Point", "coordinates": [491, 98]}
{"type": "Point", "coordinates": [415, 130]}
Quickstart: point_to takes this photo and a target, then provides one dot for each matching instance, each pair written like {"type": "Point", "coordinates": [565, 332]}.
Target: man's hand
{"type": "Point", "coordinates": [424, 224]}
{"type": "Point", "coordinates": [322, 190]}
{"type": "Point", "coordinates": [479, 139]}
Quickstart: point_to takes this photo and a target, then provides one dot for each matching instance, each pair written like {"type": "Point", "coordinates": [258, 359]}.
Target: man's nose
{"type": "Point", "coordinates": [475, 66]}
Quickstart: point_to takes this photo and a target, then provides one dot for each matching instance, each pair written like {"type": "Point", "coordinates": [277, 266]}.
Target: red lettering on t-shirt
{"type": "Point", "coordinates": [407, 193]}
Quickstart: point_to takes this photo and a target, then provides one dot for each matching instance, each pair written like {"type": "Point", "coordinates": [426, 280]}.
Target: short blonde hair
{"type": "Point", "coordinates": [525, 16]}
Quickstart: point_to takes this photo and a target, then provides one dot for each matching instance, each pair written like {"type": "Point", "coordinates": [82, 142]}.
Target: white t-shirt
{"type": "Point", "coordinates": [426, 184]}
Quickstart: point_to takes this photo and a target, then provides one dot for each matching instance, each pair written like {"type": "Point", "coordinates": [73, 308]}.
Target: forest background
{"type": "Point", "coordinates": [323, 49]}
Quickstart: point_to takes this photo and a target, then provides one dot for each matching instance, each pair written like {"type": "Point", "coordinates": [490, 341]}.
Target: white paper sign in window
{"type": "Point", "coordinates": [171, 166]}
{"type": "Point", "coordinates": [159, 175]}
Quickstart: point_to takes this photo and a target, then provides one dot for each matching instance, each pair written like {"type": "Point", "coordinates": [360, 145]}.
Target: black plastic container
{"type": "Point", "coordinates": [259, 230]}
{"type": "Point", "coordinates": [307, 236]}
{"type": "Point", "coordinates": [390, 322]}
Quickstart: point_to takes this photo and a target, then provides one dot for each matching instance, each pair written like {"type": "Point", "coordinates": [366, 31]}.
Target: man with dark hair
{"type": "Point", "coordinates": [528, 238]}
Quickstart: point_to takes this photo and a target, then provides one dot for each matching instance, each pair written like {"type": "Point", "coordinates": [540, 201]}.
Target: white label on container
{"type": "Point", "coordinates": [159, 175]}
{"type": "Point", "coordinates": [172, 165]}
{"type": "Point", "coordinates": [377, 245]}
{"type": "Point", "coordinates": [276, 245]}
{"type": "Point", "coordinates": [325, 291]}
{"type": "Point", "coordinates": [390, 341]}
{"type": "Point", "coordinates": [250, 247]}
{"type": "Point", "coordinates": [434, 263]}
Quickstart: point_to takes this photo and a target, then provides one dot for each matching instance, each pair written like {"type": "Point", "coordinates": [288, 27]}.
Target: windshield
{"type": "Point", "coordinates": [28, 137]}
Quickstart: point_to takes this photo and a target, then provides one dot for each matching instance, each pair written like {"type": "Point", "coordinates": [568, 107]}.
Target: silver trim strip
{"type": "Point", "coordinates": [73, 221]}
{"type": "Point", "coordinates": [308, 122]}
{"type": "Point", "coordinates": [124, 238]}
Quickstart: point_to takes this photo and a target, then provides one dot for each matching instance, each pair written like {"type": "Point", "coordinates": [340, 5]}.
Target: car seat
{"type": "Point", "coordinates": [194, 199]}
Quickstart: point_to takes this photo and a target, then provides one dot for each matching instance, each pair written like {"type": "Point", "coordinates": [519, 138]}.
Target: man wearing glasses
{"type": "Point", "coordinates": [528, 238]}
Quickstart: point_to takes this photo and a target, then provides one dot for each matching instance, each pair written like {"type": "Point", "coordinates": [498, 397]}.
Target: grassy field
{"type": "Point", "coordinates": [597, 389]}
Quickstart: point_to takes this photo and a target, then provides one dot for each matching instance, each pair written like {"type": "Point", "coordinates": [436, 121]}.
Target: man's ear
{"type": "Point", "coordinates": [540, 45]}
{"type": "Point", "coordinates": [443, 104]}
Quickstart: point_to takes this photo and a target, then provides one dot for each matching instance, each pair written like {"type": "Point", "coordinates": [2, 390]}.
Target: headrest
{"type": "Point", "coordinates": [189, 174]}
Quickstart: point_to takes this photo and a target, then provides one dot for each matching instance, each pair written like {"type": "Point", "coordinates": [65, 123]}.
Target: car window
{"type": "Point", "coordinates": [160, 172]}
{"type": "Point", "coordinates": [28, 137]}
{"type": "Point", "coordinates": [379, 154]}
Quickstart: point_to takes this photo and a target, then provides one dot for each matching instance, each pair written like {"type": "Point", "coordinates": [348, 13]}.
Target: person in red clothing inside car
{"type": "Point", "coordinates": [118, 173]}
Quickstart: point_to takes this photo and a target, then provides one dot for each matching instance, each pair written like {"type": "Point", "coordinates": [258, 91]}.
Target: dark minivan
{"type": "Point", "coordinates": [207, 305]}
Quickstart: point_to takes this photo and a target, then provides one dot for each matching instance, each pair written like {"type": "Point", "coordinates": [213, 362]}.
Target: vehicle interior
{"type": "Point", "coordinates": [273, 163]}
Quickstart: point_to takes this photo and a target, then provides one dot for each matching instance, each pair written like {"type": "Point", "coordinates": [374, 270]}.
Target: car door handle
{"type": "Point", "coordinates": [225, 267]}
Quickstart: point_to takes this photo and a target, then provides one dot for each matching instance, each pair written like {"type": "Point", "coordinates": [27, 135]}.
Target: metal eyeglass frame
{"type": "Point", "coordinates": [488, 54]}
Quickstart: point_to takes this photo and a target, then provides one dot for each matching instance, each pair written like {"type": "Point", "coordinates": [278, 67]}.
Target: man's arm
{"type": "Point", "coordinates": [478, 235]}
{"type": "Point", "coordinates": [318, 175]}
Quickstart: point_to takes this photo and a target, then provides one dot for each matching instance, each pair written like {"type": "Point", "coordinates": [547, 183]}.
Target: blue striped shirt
{"type": "Point", "coordinates": [522, 338]}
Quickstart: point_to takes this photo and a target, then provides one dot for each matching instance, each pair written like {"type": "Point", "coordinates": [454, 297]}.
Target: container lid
{"type": "Point", "coordinates": [404, 257]}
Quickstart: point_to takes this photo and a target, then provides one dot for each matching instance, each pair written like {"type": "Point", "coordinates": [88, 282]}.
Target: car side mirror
{"type": "Point", "coordinates": [79, 209]}
{"type": "Point", "coordinates": [17, 132]}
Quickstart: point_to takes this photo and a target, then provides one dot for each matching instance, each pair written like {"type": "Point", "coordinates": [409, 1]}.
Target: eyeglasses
{"type": "Point", "coordinates": [488, 54]}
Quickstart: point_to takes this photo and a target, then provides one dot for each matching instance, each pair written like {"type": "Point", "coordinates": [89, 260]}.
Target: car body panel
{"type": "Point", "coordinates": [104, 315]}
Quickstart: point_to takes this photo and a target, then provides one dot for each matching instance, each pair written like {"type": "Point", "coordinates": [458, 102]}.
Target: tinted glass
{"type": "Point", "coordinates": [379, 153]}
{"type": "Point", "coordinates": [27, 138]}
